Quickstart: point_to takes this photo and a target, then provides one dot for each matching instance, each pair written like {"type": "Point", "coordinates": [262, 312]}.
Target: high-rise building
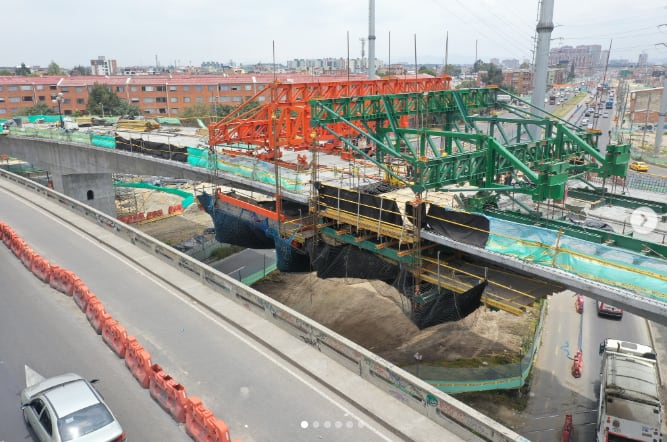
{"type": "Point", "coordinates": [643, 60]}
{"type": "Point", "coordinates": [102, 66]}
{"type": "Point", "coordinates": [584, 57]}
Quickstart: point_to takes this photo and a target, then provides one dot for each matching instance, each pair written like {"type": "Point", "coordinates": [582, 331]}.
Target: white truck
{"type": "Point", "coordinates": [629, 407]}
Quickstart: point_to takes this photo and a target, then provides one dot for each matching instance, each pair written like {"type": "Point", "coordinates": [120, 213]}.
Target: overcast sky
{"type": "Point", "coordinates": [135, 32]}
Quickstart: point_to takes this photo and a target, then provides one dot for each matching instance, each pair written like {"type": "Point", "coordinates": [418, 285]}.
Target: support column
{"type": "Point", "coordinates": [93, 189]}
{"type": "Point", "coordinates": [660, 127]}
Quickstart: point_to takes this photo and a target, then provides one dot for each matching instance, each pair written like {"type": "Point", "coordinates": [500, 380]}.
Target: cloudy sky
{"type": "Point", "coordinates": [136, 32]}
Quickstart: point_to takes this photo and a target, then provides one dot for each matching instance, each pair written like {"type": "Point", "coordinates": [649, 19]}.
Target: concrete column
{"type": "Point", "coordinates": [544, 27]}
{"type": "Point", "coordinates": [93, 189]}
{"type": "Point", "coordinates": [660, 127]}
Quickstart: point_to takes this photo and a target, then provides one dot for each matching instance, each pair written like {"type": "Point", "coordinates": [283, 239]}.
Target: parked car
{"type": "Point", "coordinates": [609, 310]}
{"type": "Point", "coordinates": [639, 166]}
{"type": "Point", "coordinates": [68, 408]}
{"type": "Point", "coordinates": [605, 115]}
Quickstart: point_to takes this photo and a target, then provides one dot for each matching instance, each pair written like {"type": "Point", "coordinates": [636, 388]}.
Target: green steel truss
{"type": "Point", "coordinates": [456, 139]}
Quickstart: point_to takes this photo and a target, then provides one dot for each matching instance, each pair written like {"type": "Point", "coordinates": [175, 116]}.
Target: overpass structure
{"type": "Point", "coordinates": [438, 159]}
{"type": "Point", "coordinates": [222, 295]}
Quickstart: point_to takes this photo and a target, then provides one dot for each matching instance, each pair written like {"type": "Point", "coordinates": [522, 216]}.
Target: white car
{"type": "Point", "coordinates": [68, 408]}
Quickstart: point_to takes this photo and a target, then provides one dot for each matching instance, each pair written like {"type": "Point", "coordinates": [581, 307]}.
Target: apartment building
{"type": "Point", "coordinates": [520, 80]}
{"type": "Point", "coordinates": [155, 95]}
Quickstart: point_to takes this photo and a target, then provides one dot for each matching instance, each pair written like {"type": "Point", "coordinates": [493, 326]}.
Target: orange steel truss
{"type": "Point", "coordinates": [284, 119]}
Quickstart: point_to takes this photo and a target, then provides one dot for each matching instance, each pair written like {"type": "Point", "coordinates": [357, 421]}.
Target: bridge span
{"type": "Point", "coordinates": [84, 159]}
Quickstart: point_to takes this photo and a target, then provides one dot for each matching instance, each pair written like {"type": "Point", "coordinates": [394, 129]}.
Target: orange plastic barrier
{"type": "Point", "coordinates": [17, 246]}
{"type": "Point", "coordinates": [8, 236]}
{"type": "Point", "coordinates": [577, 366]}
{"type": "Point", "coordinates": [96, 315]}
{"type": "Point", "coordinates": [115, 336]}
{"type": "Point", "coordinates": [27, 255]}
{"type": "Point", "coordinates": [169, 394]}
{"type": "Point", "coordinates": [202, 426]}
{"type": "Point", "coordinates": [81, 294]}
{"type": "Point", "coordinates": [138, 361]}
{"type": "Point", "coordinates": [4, 231]}
{"type": "Point", "coordinates": [60, 279]}
{"type": "Point", "coordinates": [41, 269]}
{"type": "Point", "coordinates": [566, 436]}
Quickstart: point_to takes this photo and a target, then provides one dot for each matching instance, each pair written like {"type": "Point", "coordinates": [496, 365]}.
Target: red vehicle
{"type": "Point", "coordinates": [609, 310]}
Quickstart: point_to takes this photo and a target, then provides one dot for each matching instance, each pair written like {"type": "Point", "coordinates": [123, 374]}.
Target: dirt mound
{"type": "Point", "coordinates": [371, 313]}
{"type": "Point", "coordinates": [374, 315]}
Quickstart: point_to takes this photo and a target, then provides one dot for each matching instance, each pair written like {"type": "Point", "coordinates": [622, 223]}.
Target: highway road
{"type": "Point", "coordinates": [554, 391]}
{"type": "Point", "coordinates": [260, 396]}
{"type": "Point", "coordinates": [46, 330]}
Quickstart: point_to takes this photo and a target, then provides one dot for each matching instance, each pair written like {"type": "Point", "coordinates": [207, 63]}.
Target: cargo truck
{"type": "Point", "coordinates": [629, 408]}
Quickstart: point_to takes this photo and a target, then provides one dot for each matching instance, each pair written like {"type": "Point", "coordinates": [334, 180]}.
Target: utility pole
{"type": "Point", "coordinates": [661, 119]}
{"type": "Point", "coordinates": [371, 39]}
{"type": "Point", "coordinates": [544, 27]}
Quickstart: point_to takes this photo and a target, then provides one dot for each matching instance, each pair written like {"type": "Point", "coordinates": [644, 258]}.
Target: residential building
{"type": "Point", "coordinates": [102, 66]}
{"type": "Point", "coordinates": [520, 80]}
{"type": "Point", "coordinates": [155, 95]}
{"type": "Point", "coordinates": [584, 57]}
{"type": "Point", "coordinates": [645, 105]}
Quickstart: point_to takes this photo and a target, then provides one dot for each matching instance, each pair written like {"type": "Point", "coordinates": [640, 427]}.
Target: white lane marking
{"type": "Point", "coordinates": [220, 322]}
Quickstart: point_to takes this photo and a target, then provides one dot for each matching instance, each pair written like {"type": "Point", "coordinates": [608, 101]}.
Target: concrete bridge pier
{"type": "Point", "coordinates": [93, 189]}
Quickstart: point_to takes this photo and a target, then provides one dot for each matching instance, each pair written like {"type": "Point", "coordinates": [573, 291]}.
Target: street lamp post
{"type": "Point", "coordinates": [59, 99]}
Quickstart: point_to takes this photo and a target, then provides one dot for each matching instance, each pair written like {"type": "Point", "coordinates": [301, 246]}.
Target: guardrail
{"type": "Point", "coordinates": [412, 391]}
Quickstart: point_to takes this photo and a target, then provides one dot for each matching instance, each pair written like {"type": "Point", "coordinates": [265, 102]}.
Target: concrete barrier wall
{"type": "Point", "coordinates": [412, 391]}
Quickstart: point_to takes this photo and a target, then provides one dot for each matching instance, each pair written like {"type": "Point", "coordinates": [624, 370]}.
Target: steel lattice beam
{"type": "Point", "coordinates": [544, 165]}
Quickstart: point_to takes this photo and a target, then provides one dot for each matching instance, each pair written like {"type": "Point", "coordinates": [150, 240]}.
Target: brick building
{"type": "Point", "coordinates": [520, 80]}
{"type": "Point", "coordinates": [155, 95]}
{"type": "Point", "coordinates": [645, 105]}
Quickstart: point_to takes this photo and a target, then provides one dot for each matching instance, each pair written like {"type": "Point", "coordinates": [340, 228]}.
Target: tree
{"type": "Point", "coordinates": [23, 70]}
{"type": "Point", "coordinates": [53, 69]}
{"type": "Point", "coordinates": [81, 70]}
{"type": "Point", "coordinates": [468, 84]}
{"type": "Point", "coordinates": [478, 66]}
{"type": "Point", "coordinates": [427, 70]}
{"type": "Point", "coordinates": [103, 101]}
{"type": "Point", "coordinates": [38, 109]}
{"type": "Point", "coordinates": [494, 75]}
{"type": "Point", "coordinates": [452, 70]}
{"type": "Point", "coordinates": [6, 72]}
{"type": "Point", "coordinates": [524, 65]}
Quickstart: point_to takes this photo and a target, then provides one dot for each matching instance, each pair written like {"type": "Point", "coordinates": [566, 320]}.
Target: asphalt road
{"type": "Point", "coordinates": [45, 330]}
{"type": "Point", "coordinates": [257, 394]}
{"type": "Point", "coordinates": [554, 391]}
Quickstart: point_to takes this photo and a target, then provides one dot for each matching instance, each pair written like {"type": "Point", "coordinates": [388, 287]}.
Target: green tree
{"type": "Point", "coordinates": [478, 66]}
{"type": "Point", "coordinates": [468, 84]}
{"type": "Point", "coordinates": [38, 109]}
{"type": "Point", "coordinates": [191, 114]}
{"type": "Point", "coordinates": [81, 70]}
{"type": "Point", "coordinates": [103, 101]}
{"type": "Point", "coordinates": [54, 69]}
{"type": "Point", "coordinates": [524, 65]}
{"type": "Point", "coordinates": [494, 75]}
{"type": "Point", "coordinates": [6, 72]}
{"type": "Point", "coordinates": [23, 70]}
{"type": "Point", "coordinates": [427, 70]}
{"type": "Point", "coordinates": [452, 70]}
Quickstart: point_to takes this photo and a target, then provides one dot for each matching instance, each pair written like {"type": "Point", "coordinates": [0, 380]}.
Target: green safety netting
{"type": "Point", "coordinates": [188, 198]}
{"type": "Point", "coordinates": [641, 274]}
{"type": "Point", "coordinates": [168, 121]}
{"type": "Point", "coordinates": [252, 169]}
